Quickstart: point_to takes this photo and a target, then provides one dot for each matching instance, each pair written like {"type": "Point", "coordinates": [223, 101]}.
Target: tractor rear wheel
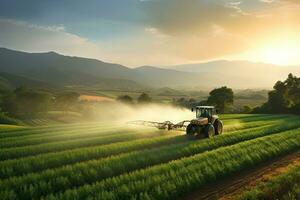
{"type": "Point", "coordinates": [209, 131]}
{"type": "Point", "coordinates": [192, 130]}
{"type": "Point", "coordinates": [218, 125]}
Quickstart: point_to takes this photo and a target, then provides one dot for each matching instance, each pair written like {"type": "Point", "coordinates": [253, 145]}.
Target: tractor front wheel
{"type": "Point", "coordinates": [209, 131]}
{"type": "Point", "coordinates": [218, 125]}
{"type": "Point", "coordinates": [192, 130]}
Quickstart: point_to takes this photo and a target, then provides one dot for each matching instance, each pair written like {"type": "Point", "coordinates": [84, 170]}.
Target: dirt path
{"type": "Point", "coordinates": [233, 186]}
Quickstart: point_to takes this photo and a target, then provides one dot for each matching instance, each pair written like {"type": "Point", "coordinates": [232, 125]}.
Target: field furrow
{"type": "Point", "coordinates": [36, 163]}
{"type": "Point", "coordinates": [12, 153]}
{"type": "Point", "coordinates": [12, 142]}
{"type": "Point", "coordinates": [174, 179]}
{"type": "Point", "coordinates": [90, 171]}
{"type": "Point", "coordinates": [117, 161]}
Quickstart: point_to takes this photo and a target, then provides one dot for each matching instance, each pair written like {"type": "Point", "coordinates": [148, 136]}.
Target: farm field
{"type": "Point", "coordinates": [120, 161]}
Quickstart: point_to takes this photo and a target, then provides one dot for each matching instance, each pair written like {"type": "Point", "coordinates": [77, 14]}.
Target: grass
{"type": "Point", "coordinates": [106, 161]}
{"type": "Point", "coordinates": [168, 181]}
{"type": "Point", "coordinates": [284, 186]}
{"type": "Point", "coordinates": [51, 160]}
{"type": "Point", "coordinates": [31, 150]}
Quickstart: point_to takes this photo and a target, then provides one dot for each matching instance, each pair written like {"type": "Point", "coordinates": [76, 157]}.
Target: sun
{"type": "Point", "coordinates": [284, 52]}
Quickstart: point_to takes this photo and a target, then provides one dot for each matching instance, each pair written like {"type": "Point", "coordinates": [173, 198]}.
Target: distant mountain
{"type": "Point", "coordinates": [239, 74]}
{"type": "Point", "coordinates": [73, 71]}
{"type": "Point", "coordinates": [65, 70]}
{"type": "Point", "coordinates": [60, 70]}
{"type": "Point", "coordinates": [159, 77]}
{"type": "Point", "coordinates": [9, 82]}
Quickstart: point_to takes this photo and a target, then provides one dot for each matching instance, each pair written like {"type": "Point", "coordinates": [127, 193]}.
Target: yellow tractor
{"type": "Point", "coordinates": [207, 123]}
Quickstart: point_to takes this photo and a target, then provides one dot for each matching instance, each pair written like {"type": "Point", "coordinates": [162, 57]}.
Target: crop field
{"type": "Point", "coordinates": [284, 186]}
{"type": "Point", "coordinates": [119, 161]}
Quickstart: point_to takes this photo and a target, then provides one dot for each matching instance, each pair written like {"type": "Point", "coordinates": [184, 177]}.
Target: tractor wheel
{"type": "Point", "coordinates": [218, 125]}
{"type": "Point", "coordinates": [192, 130]}
{"type": "Point", "coordinates": [209, 131]}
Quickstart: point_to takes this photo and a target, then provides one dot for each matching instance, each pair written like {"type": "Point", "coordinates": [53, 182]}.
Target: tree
{"type": "Point", "coordinates": [26, 101]}
{"type": "Point", "coordinates": [284, 98]}
{"type": "Point", "coordinates": [125, 99]}
{"type": "Point", "coordinates": [246, 109]}
{"type": "Point", "coordinates": [144, 98]}
{"type": "Point", "coordinates": [221, 98]}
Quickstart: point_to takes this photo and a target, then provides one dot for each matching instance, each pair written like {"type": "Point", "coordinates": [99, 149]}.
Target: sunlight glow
{"type": "Point", "coordinates": [284, 52]}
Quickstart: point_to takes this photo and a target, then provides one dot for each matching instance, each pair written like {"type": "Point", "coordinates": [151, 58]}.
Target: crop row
{"type": "Point", "coordinates": [69, 135]}
{"type": "Point", "coordinates": [18, 152]}
{"type": "Point", "coordinates": [177, 178]}
{"type": "Point", "coordinates": [252, 124]}
{"type": "Point", "coordinates": [47, 130]}
{"type": "Point", "coordinates": [31, 131]}
{"type": "Point", "coordinates": [94, 131]}
{"type": "Point", "coordinates": [241, 116]}
{"type": "Point", "coordinates": [15, 167]}
{"type": "Point", "coordinates": [54, 133]}
{"type": "Point", "coordinates": [23, 141]}
{"type": "Point", "coordinates": [59, 179]}
{"type": "Point", "coordinates": [277, 187]}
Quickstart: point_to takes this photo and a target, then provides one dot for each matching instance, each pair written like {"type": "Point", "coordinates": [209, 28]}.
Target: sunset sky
{"type": "Point", "coordinates": [156, 32]}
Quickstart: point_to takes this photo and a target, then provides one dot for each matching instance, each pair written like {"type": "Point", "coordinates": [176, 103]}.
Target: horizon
{"type": "Point", "coordinates": [154, 32]}
{"type": "Point", "coordinates": [146, 65]}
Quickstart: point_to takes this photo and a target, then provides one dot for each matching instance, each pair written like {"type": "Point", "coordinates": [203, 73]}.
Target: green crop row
{"type": "Point", "coordinates": [7, 128]}
{"type": "Point", "coordinates": [241, 126]}
{"type": "Point", "coordinates": [177, 178]}
{"type": "Point", "coordinates": [14, 167]}
{"type": "Point", "coordinates": [18, 152]}
{"type": "Point", "coordinates": [31, 131]}
{"type": "Point", "coordinates": [241, 116]}
{"type": "Point", "coordinates": [77, 134]}
{"type": "Point", "coordinates": [277, 187]}
{"type": "Point", "coordinates": [12, 153]}
{"type": "Point", "coordinates": [54, 133]}
{"type": "Point", "coordinates": [17, 167]}
{"type": "Point", "coordinates": [254, 118]}
{"type": "Point", "coordinates": [59, 136]}
{"type": "Point", "coordinates": [59, 179]}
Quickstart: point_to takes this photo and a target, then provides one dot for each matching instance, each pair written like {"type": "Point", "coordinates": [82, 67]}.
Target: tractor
{"type": "Point", "coordinates": [207, 123]}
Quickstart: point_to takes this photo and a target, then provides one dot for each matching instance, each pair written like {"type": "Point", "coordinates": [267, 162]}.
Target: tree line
{"type": "Point", "coordinates": [222, 98]}
{"type": "Point", "coordinates": [284, 98]}
{"type": "Point", "coordinates": [24, 101]}
{"type": "Point", "coordinates": [142, 99]}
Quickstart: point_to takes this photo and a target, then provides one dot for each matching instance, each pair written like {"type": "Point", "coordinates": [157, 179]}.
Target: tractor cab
{"type": "Point", "coordinates": [205, 111]}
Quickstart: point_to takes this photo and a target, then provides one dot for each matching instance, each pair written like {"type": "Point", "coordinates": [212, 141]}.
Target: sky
{"type": "Point", "coordinates": [155, 32]}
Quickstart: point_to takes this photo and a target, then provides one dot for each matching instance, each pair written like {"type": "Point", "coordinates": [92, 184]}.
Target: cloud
{"type": "Point", "coordinates": [157, 32]}
{"type": "Point", "coordinates": [267, 1]}
{"type": "Point", "coordinates": [211, 29]}
{"type": "Point", "coordinates": [147, 47]}
{"type": "Point", "coordinates": [201, 30]}
{"type": "Point", "coordinates": [175, 17]}
{"type": "Point", "coordinates": [29, 37]}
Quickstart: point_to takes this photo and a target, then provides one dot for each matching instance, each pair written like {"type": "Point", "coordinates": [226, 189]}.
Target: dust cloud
{"type": "Point", "coordinates": [119, 112]}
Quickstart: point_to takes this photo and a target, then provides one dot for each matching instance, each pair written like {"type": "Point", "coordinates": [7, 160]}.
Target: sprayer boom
{"type": "Point", "coordinates": [167, 125]}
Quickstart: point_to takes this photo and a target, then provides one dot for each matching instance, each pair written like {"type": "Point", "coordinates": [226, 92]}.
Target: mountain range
{"type": "Point", "coordinates": [51, 68]}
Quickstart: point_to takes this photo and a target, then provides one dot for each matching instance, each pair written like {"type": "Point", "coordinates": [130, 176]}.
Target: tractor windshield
{"type": "Point", "coordinates": [203, 112]}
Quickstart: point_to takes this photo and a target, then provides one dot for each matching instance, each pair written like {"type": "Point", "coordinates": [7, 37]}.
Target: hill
{"type": "Point", "coordinates": [9, 81]}
{"type": "Point", "coordinates": [74, 71]}
{"type": "Point", "coordinates": [56, 69]}
{"type": "Point", "coordinates": [238, 74]}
